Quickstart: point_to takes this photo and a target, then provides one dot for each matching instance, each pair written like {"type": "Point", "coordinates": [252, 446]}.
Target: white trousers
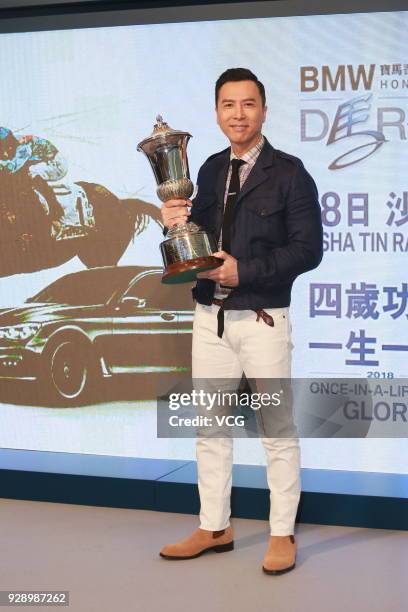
{"type": "Point", "coordinates": [261, 352]}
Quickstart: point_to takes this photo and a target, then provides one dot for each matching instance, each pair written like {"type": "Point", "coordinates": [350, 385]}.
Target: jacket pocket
{"type": "Point", "coordinates": [264, 207]}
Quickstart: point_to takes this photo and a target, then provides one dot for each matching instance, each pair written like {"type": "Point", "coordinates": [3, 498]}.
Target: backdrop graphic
{"type": "Point", "coordinates": [336, 98]}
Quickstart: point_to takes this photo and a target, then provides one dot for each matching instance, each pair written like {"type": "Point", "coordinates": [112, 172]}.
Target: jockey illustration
{"type": "Point", "coordinates": [40, 159]}
{"type": "Point", "coordinates": [46, 220]}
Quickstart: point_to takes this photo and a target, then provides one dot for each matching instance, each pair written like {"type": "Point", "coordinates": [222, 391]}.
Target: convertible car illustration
{"type": "Point", "coordinates": [95, 324]}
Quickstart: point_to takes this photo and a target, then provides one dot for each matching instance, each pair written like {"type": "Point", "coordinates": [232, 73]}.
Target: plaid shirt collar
{"type": "Point", "coordinates": [250, 156]}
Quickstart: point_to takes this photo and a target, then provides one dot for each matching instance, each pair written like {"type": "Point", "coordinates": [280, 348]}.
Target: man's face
{"type": "Point", "coordinates": [240, 113]}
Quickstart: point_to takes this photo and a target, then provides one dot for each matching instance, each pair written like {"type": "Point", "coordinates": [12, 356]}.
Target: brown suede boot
{"type": "Point", "coordinates": [199, 542]}
{"type": "Point", "coordinates": [280, 556]}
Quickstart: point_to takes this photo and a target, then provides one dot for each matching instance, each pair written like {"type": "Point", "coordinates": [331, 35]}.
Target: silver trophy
{"type": "Point", "coordinates": [187, 249]}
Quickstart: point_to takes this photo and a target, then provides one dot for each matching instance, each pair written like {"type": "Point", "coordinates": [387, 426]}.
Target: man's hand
{"type": "Point", "coordinates": [227, 274]}
{"type": "Point", "coordinates": [175, 211]}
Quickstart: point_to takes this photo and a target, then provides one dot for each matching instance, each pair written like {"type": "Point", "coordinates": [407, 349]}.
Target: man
{"type": "Point", "coordinates": [264, 209]}
{"type": "Point", "coordinates": [40, 160]}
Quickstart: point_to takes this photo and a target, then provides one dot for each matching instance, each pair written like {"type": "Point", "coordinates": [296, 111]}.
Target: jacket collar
{"type": "Point", "coordinates": [266, 159]}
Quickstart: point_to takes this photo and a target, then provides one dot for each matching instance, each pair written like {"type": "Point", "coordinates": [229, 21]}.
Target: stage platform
{"type": "Point", "coordinates": [329, 497]}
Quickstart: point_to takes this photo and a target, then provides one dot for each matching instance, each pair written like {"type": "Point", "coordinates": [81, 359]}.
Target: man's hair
{"type": "Point", "coordinates": [238, 74]}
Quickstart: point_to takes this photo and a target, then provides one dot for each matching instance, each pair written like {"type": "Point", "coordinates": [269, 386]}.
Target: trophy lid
{"type": "Point", "coordinates": [162, 134]}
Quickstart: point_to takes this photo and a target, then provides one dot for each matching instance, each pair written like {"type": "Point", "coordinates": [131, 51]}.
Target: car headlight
{"type": "Point", "coordinates": [20, 332]}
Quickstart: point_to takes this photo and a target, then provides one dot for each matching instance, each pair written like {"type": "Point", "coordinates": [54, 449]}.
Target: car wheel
{"type": "Point", "coordinates": [70, 373]}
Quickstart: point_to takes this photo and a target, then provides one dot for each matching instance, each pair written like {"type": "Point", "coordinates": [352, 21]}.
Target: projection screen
{"type": "Point", "coordinates": [89, 88]}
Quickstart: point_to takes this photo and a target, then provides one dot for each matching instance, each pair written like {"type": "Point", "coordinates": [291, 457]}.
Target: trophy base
{"type": "Point", "coordinates": [186, 271]}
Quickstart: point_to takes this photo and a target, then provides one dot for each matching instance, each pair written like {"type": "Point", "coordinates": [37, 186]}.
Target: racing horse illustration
{"type": "Point", "coordinates": [98, 225]}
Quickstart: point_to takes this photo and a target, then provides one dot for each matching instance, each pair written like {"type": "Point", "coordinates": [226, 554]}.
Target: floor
{"type": "Point", "coordinates": [108, 560]}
